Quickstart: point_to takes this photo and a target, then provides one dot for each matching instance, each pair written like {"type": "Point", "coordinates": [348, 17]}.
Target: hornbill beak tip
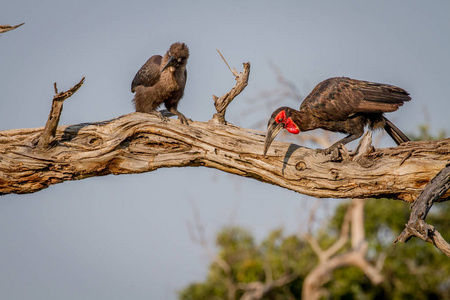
{"type": "Point", "coordinates": [171, 62]}
{"type": "Point", "coordinates": [273, 129]}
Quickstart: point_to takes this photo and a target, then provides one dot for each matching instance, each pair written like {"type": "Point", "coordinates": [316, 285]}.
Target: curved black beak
{"type": "Point", "coordinates": [172, 62]}
{"type": "Point", "coordinates": [273, 129]}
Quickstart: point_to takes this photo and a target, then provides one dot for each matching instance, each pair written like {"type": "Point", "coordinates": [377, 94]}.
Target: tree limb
{"type": "Point", "coordinates": [416, 225]}
{"type": "Point", "coordinates": [139, 142]}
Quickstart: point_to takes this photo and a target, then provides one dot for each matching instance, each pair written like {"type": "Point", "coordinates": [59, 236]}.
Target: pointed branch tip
{"type": "Point", "coordinates": [64, 95]}
{"type": "Point", "coordinates": [235, 73]}
{"type": "Point", "coordinates": [5, 28]}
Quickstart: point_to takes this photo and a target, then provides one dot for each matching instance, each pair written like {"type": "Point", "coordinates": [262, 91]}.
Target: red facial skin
{"type": "Point", "coordinates": [289, 125]}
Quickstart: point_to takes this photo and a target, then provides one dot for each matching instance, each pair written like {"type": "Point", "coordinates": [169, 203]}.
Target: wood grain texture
{"type": "Point", "coordinates": [139, 142]}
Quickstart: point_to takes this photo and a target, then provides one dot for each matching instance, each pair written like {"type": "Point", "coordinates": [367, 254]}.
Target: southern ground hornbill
{"type": "Point", "coordinates": [341, 104]}
{"type": "Point", "coordinates": [162, 80]}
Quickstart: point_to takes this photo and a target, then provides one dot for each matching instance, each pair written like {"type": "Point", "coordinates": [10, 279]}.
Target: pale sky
{"type": "Point", "coordinates": [126, 237]}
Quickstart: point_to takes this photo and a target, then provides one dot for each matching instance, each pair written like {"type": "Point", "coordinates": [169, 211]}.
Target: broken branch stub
{"type": "Point", "coordinates": [221, 103]}
{"type": "Point", "coordinates": [48, 134]}
{"type": "Point", "coordinates": [5, 28]}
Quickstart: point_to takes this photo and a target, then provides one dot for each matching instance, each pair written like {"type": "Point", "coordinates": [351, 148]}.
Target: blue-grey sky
{"type": "Point", "coordinates": [126, 237]}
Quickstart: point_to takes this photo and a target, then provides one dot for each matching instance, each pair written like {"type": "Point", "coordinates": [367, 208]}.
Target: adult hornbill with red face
{"type": "Point", "coordinates": [162, 80]}
{"type": "Point", "coordinates": [345, 105]}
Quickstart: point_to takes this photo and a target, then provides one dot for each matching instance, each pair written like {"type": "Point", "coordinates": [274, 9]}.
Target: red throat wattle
{"type": "Point", "coordinates": [289, 124]}
{"type": "Point", "coordinates": [291, 127]}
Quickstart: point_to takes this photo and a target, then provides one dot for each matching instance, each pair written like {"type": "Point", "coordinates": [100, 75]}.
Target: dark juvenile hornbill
{"type": "Point", "coordinates": [162, 79]}
{"type": "Point", "coordinates": [345, 105]}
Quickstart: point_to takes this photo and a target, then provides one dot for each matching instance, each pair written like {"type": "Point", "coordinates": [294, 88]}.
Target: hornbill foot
{"type": "Point", "coordinates": [159, 115]}
{"type": "Point", "coordinates": [333, 150]}
{"type": "Point", "coordinates": [328, 150]}
{"type": "Point", "coordinates": [183, 119]}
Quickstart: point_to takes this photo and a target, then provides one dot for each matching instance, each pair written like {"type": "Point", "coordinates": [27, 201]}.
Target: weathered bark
{"type": "Point", "coordinates": [139, 142]}
{"type": "Point", "coordinates": [222, 103]}
{"type": "Point", "coordinates": [48, 135]}
{"type": "Point", "coordinates": [416, 225]}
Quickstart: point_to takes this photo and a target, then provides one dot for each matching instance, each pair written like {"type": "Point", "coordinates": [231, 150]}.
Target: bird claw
{"type": "Point", "coordinates": [325, 151]}
{"type": "Point", "coordinates": [183, 119]}
{"type": "Point", "coordinates": [333, 150]}
{"type": "Point", "coordinates": [321, 151]}
{"type": "Point", "coordinates": [160, 115]}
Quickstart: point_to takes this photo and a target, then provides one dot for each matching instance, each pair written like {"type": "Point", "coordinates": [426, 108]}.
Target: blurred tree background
{"type": "Point", "coordinates": [415, 270]}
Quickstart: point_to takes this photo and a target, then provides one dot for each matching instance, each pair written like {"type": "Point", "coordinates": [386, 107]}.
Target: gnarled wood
{"type": "Point", "coordinates": [140, 142]}
{"type": "Point", "coordinates": [416, 225]}
{"type": "Point", "coordinates": [222, 103]}
{"type": "Point", "coordinates": [48, 134]}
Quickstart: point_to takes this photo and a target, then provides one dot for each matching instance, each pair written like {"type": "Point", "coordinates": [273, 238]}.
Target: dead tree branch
{"type": "Point", "coordinates": [222, 103]}
{"type": "Point", "coordinates": [5, 28]}
{"type": "Point", "coordinates": [48, 134]}
{"type": "Point", "coordinates": [416, 225]}
{"type": "Point", "coordinates": [139, 142]}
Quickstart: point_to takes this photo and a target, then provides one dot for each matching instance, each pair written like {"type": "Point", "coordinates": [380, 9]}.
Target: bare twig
{"type": "Point", "coordinates": [48, 135]}
{"type": "Point", "coordinates": [5, 28]}
{"type": "Point", "coordinates": [222, 103]}
{"type": "Point", "coordinates": [235, 73]}
{"type": "Point", "coordinates": [416, 225]}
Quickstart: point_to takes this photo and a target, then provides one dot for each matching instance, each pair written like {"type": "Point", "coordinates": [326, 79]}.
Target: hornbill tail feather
{"type": "Point", "coordinates": [396, 134]}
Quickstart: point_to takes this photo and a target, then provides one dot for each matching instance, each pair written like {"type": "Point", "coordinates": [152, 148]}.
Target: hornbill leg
{"type": "Point", "coordinates": [181, 117]}
{"type": "Point", "coordinates": [346, 140]}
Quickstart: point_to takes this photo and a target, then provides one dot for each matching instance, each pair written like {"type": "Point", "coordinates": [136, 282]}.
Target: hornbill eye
{"type": "Point", "coordinates": [280, 120]}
